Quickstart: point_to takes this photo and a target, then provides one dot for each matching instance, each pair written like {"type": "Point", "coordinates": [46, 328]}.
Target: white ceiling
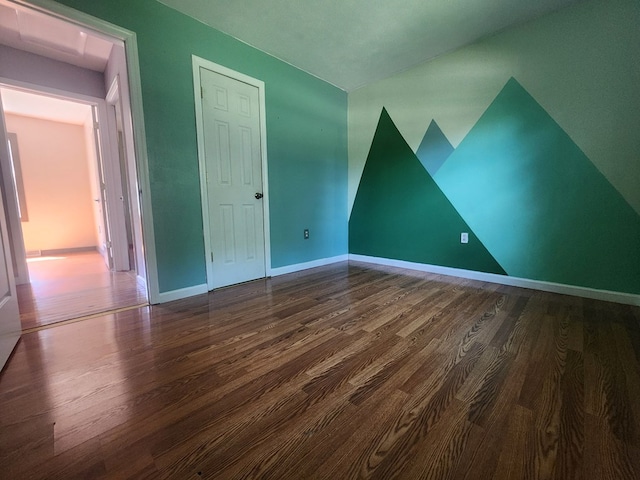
{"type": "Point", "coordinates": [40, 106]}
{"type": "Point", "coordinates": [29, 30]}
{"type": "Point", "coordinates": [350, 43]}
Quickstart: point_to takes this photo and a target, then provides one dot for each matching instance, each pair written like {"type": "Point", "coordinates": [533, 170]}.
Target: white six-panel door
{"type": "Point", "coordinates": [9, 316]}
{"type": "Point", "coordinates": [231, 125]}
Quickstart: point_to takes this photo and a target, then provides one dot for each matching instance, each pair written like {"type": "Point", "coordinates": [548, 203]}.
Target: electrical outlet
{"type": "Point", "coordinates": [464, 237]}
{"type": "Point", "coordinates": [306, 234]}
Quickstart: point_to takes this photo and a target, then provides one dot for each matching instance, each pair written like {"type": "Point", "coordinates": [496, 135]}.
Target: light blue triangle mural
{"type": "Point", "coordinates": [538, 203]}
{"type": "Point", "coordinates": [434, 149]}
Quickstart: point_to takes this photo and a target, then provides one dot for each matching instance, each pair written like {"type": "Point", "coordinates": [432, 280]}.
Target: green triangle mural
{"type": "Point", "coordinates": [538, 203]}
{"type": "Point", "coordinates": [399, 212]}
{"type": "Point", "coordinates": [434, 149]}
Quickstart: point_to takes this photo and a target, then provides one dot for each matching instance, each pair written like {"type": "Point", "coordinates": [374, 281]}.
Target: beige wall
{"type": "Point", "coordinates": [56, 179]}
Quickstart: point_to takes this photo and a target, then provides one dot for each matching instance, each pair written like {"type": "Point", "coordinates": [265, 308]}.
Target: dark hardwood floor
{"type": "Point", "coordinates": [74, 285]}
{"type": "Point", "coordinates": [345, 371]}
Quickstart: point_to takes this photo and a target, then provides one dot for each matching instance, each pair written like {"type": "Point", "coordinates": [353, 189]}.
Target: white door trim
{"type": "Point", "coordinates": [111, 31]}
{"type": "Point", "coordinates": [214, 67]}
{"type": "Point", "coordinates": [115, 98]}
{"type": "Point", "coordinates": [14, 223]}
{"type": "Point", "coordinates": [115, 207]}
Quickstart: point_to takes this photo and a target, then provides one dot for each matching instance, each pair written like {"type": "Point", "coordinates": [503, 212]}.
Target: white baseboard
{"type": "Point", "coordinates": [61, 251]}
{"type": "Point", "coordinates": [606, 295]}
{"type": "Point", "coordinates": [306, 265]}
{"type": "Point", "coordinates": [200, 289]}
{"type": "Point", "coordinates": [181, 293]}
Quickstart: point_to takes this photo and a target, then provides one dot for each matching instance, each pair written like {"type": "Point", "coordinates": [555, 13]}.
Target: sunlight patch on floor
{"type": "Point", "coordinates": [43, 259]}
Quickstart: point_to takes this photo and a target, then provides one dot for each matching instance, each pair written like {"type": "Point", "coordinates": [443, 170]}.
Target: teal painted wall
{"type": "Point", "coordinates": [540, 123]}
{"type": "Point", "coordinates": [306, 141]}
{"type": "Point", "coordinates": [538, 203]}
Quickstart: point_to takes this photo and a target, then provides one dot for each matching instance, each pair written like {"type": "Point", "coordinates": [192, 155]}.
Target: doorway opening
{"type": "Point", "coordinates": [79, 258]}
{"type": "Point", "coordinates": [72, 198]}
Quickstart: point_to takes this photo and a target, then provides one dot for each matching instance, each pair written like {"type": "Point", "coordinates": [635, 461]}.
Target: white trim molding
{"type": "Point", "coordinates": [181, 293]}
{"type": "Point", "coordinates": [606, 295]}
{"type": "Point", "coordinates": [203, 288]}
{"type": "Point", "coordinates": [306, 265]}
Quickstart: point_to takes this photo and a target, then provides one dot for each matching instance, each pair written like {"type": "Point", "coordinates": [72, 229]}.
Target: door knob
{"type": "Point", "coordinates": [258, 196]}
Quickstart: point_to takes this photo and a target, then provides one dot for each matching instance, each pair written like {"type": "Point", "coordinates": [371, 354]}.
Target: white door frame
{"type": "Point", "coordinates": [106, 156]}
{"type": "Point", "coordinates": [202, 160]}
{"type": "Point", "coordinates": [100, 214]}
{"type": "Point", "coordinates": [115, 100]}
{"type": "Point", "coordinates": [129, 39]}
{"type": "Point", "coordinates": [13, 220]}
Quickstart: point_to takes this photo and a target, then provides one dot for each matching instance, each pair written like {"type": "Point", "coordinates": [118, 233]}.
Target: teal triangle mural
{"type": "Point", "coordinates": [538, 203]}
{"type": "Point", "coordinates": [400, 213]}
{"type": "Point", "coordinates": [434, 149]}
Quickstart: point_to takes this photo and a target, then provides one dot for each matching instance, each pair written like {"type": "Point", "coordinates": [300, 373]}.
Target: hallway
{"type": "Point", "coordinates": [75, 285]}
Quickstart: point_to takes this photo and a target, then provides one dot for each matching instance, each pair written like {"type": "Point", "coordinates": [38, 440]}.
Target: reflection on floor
{"type": "Point", "coordinates": [74, 285]}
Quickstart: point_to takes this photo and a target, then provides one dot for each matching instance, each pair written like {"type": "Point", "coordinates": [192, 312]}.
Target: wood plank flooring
{"type": "Point", "coordinates": [74, 285]}
{"type": "Point", "coordinates": [345, 371]}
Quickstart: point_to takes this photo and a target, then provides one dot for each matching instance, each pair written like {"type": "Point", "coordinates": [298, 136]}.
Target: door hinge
{"type": "Point", "coordinates": [201, 92]}
{"type": "Point", "coordinates": [211, 257]}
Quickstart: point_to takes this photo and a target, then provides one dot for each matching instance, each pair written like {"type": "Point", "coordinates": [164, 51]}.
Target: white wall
{"type": "Point", "coordinates": [37, 70]}
{"type": "Point", "coordinates": [56, 179]}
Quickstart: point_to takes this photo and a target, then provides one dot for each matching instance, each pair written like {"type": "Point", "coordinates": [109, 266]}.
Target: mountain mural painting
{"type": "Point", "coordinates": [535, 206]}
{"type": "Point", "coordinates": [400, 212]}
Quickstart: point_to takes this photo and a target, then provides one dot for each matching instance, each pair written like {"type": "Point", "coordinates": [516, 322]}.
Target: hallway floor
{"type": "Point", "coordinates": [69, 286]}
